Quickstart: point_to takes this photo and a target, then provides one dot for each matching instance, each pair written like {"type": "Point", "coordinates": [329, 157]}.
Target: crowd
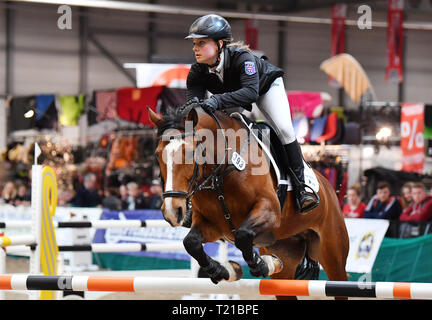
{"type": "Point", "coordinates": [16, 194]}
{"type": "Point", "coordinates": [413, 204]}
{"type": "Point", "coordinates": [128, 196]}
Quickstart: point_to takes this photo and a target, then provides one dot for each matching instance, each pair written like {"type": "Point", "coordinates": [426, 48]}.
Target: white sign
{"type": "Point", "coordinates": [160, 74]}
{"type": "Point", "coordinates": [365, 237]}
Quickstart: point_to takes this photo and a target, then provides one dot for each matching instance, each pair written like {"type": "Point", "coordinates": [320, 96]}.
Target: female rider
{"type": "Point", "coordinates": [236, 77]}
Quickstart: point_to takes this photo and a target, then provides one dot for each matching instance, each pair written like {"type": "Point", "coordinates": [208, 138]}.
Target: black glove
{"type": "Point", "coordinates": [192, 101]}
{"type": "Point", "coordinates": [210, 104]}
{"type": "Point", "coordinates": [189, 103]}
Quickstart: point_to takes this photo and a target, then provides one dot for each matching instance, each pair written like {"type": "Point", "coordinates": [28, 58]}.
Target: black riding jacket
{"type": "Point", "coordinates": [245, 78]}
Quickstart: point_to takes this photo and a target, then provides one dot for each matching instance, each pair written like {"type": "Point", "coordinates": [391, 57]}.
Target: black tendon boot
{"type": "Point", "coordinates": [306, 198]}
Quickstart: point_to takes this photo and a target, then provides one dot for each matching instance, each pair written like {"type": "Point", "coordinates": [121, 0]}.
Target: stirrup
{"type": "Point", "coordinates": [313, 205]}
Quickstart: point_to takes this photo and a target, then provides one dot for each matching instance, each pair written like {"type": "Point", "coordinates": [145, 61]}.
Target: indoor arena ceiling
{"type": "Point", "coordinates": [303, 5]}
{"type": "Point", "coordinates": [269, 7]}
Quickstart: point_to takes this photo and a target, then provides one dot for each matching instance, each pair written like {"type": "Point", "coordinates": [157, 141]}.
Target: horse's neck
{"type": "Point", "coordinates": [226, 123]}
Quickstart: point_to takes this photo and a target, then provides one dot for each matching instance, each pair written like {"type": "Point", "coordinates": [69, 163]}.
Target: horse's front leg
{"type": "Point", "coordinates": [217, 272]}
{"type": "Point", "coordinates": [262, 218]}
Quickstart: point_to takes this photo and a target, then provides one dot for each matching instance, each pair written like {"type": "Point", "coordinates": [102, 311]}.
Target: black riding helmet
{"type": "Point", "coordinates": [210, 26]}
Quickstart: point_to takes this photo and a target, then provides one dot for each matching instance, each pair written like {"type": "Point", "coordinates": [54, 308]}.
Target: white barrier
{"type": "Point", "coordinates": [109, 247]}
{"type": "Point", "coordinates": [311, 288]}
{"type": "Point", "coordinates": [94, 224]}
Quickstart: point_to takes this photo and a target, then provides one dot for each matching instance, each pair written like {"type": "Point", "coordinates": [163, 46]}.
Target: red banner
{"type": "Point", "coordinates": [412, 137]}
{"type": "Point", "coordinates": [251, 34]}
{"type": "Point", "coordinates": [337, 33]}
{"type": "Point", "coordinates": [338, 29]}
{"type": "Point", "coordinates": [394, 40]}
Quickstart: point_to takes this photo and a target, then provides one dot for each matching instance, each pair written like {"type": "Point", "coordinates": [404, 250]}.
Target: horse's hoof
{"type": "Point", "coordinates": [216, 272]}
{"type": "Point", "coordinates": [260, 270]}
{"type": "Point", "coordinates": [235, 270]}
{"type": "Point", "coordinates": [274, 264]}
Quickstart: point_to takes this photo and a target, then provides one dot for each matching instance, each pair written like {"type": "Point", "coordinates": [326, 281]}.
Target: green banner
{"type": "Point", "coordinates": [398, 260]}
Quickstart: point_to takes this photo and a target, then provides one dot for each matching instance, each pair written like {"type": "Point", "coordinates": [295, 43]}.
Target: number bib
{"type": "Point", "coordinates": [238, 161]}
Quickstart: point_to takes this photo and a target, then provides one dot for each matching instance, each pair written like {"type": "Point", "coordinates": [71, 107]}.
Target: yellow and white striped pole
{"type": "Point", "coordinates": [44, 202]}
{"type": "Point", "coordinates": [48, 242]}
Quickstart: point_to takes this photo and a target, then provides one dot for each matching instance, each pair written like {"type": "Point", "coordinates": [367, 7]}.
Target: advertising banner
{"type": "Point", "coordinates": [412, 137]}
{"type": "Point", "coordinates": [155, 235]}
{"type": "Point", "coordinates": [338, 29]}
{"type": "Point", "coordinates": [339, 12]}
{"type": "Point", "coordinates": [251, 33]}
{"type": "Point", "coordinates": [160, 74]}
{"type": "Point", "coordinates": [394, 40]}
{"type": "Point", "coordinates": [365, 237]}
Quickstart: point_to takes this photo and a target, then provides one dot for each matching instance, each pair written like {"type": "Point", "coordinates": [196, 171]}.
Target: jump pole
{"type": "Point", "coordinates": [107, 247]}
{"type": "Point", "coordinates": [311, 288]}
{"type": "Point", "coordinates": [2, 269]}
{"type": "Point", "coordinates": [95, 224]}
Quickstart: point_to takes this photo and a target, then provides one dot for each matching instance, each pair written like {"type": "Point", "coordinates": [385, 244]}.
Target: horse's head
{"type": "Point", "coordinates": [175, 154]}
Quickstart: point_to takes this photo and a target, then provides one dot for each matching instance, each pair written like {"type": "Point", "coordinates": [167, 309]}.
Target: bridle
{"type": "Point", "coordinates": [214, 181]}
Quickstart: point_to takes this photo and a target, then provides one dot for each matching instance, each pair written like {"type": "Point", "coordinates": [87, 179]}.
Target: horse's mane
{"type": "Point", "coordinates": [173, 118]}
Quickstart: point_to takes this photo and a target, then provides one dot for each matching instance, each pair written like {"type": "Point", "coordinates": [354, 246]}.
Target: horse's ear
{"type": "Point", "coordinates": [154, 117]}
{"type": "Point", "coordinates": [192, 116]}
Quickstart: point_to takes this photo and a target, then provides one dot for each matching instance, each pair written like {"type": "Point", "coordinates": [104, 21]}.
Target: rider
{"type": "Point", "coordinates": [236, 77]}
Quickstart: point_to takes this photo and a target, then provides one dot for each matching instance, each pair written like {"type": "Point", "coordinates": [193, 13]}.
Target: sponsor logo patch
{"type": "Point", "coordinates": [250, 67]}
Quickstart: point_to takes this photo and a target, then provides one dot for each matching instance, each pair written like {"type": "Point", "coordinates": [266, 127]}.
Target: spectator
{"type": "Point", "coordinates": [406, 194]}
{"type": "Point", "coordinates": [111, 199]}
{"type": "Point", "coordinates": [156, 199]}
{"type": "Point", "coordinates": [354, 208]}
{"type": "Point", "coordinates": [135, 199]}
{"type": "Point", "coordinates": [87, 195]}
{"type": "Point", "coordinates": [23, 198]}
{"type": "Point", "coordinates": [421, 207]}
{"type": "Point", "coordinates": [65, 196]}
{"type": "Point", "coordinates": [123, 192]}
{"type": "Point", "coordinates": [9, 193]}
{"type": "Point", "coordinates": [383, 205]}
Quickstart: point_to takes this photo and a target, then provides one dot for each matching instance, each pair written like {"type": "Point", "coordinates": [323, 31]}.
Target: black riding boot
{"type": "Point", "coordinates": [306, 198]}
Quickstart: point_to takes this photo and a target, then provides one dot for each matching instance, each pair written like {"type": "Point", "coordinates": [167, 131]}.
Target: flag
{"type": "Point", "coordinates": [349, 73]}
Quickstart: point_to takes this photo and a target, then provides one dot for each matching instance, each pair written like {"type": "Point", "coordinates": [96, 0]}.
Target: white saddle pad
{"type": "Point", "coordinates": [310, 177]}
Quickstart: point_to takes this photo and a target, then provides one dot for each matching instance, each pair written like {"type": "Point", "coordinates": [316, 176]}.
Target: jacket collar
{"type": "Point", "coordinates": [227, 58]}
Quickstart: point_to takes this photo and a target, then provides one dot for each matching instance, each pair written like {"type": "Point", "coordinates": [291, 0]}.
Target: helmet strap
{"type": "Point", "coordinates": [218, 59]}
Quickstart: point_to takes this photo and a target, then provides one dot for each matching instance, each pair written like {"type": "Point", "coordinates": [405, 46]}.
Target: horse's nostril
{"type": "Point", "coordinates": [179, 214]}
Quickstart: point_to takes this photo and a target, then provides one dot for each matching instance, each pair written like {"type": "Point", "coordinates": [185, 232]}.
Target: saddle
{"type": "Point", "coordinates": [268, 136]}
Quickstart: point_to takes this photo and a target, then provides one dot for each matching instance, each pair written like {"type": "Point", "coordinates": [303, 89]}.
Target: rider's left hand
{"type": "Point", "coordinates": [210, 104]}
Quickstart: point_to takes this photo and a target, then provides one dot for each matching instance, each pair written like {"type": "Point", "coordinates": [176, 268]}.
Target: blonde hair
{"type": "Point", "coordinates": [357, 188]}
{"type": "Point", "coordinates": [407, 185]}
{"type": "Point", "coordinates": [132, 185]}
{"type": "Point", "coordinates": [239, 44]}
{"type": "Point", "coordinates": [6, 194]}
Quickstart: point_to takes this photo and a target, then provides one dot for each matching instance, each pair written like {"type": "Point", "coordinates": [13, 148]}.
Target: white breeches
{"type": "Point", "coordinates": [275, 107]}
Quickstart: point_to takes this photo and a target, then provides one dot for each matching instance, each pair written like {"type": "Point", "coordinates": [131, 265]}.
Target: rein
{"type": "Point", "coordinates": [212, 182]}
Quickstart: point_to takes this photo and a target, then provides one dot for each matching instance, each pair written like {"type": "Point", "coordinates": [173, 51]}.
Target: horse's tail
{"type": "Point", "coordinates": [308, 269]}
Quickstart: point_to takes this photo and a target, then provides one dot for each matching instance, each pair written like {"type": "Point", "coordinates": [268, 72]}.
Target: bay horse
{"type": "Point", "coordinates": [242, 207]}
